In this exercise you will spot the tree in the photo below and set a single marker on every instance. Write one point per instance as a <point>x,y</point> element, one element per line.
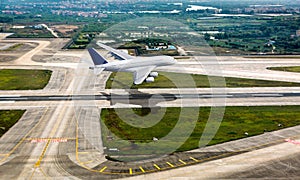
<point>206,36</point>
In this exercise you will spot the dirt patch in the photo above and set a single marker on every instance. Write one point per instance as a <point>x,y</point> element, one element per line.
<point>55,59</point>
<point>4,58</point>
<point>19,48</point>
<point>65,30</point>
<point>41,58</point>
<point>58,43</point>
<point>227,51</point>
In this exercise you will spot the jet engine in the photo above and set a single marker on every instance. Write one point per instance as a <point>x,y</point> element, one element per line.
<point>149,79</point>
<point>153,74</point>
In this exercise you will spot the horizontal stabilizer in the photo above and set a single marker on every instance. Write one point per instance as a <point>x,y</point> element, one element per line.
<point>116,56</point>
<point>96,57</point>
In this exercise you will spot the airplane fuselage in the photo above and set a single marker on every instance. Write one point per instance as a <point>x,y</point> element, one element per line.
<point>131,64</point>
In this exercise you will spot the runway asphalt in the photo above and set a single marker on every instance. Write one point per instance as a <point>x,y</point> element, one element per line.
<point>142,96</point>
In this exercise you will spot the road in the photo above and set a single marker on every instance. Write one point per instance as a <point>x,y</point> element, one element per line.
<point>50,30</point>
<point>59,136</point>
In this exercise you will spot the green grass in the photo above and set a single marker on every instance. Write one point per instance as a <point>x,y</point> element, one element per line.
<point>253,120</point>
<point>8,118</point>
<point>295,69</point>
<point>23,79</point>
<point>184,81</point>
<point>14,47</point>
<point>236,121</point>
<point>121,129</point>
<point>31,33</point>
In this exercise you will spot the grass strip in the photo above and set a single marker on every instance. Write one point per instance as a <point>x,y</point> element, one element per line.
<point>295,69</point>
<point>8,118</point>
<point>23,79</point>
<point>166,79</point>
<point>238,122</point>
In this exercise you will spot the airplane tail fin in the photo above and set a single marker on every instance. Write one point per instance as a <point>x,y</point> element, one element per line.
<point>96,57</point>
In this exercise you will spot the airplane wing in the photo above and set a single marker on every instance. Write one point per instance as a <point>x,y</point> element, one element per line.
<point>140,74</point>
<point>119,54</point>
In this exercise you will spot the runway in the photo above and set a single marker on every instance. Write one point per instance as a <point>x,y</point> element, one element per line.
<point>142,96</point>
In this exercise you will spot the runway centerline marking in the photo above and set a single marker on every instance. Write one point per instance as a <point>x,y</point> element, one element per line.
<point>38,163</point>
<point>54,130</point>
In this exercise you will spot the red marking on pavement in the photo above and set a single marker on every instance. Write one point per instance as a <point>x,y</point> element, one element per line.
<point>41,140</point>
<point>293,141</point>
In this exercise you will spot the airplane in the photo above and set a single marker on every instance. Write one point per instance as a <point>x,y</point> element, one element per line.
<point>141,67</point>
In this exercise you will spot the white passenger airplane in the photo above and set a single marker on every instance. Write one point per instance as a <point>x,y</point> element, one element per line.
<point>141,67</point>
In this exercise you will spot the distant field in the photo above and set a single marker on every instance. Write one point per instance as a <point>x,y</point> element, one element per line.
<point>30,33</point>
<point>8,118</point>
<point>295,69</point>
<point>14,47</point>
<point>10,47</point>
<point>236,121</point>
<point>201,81</point>
<point>23,79</point>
